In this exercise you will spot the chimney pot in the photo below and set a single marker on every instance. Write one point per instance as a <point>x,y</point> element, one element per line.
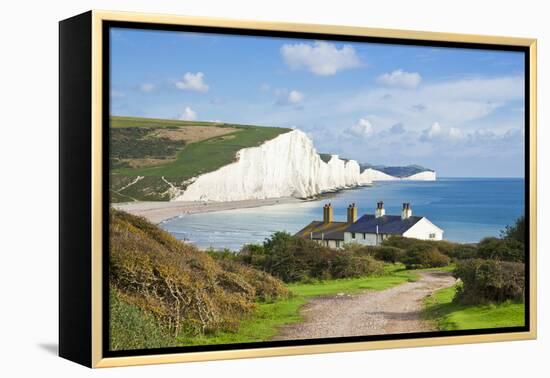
<point>352,213</point>
<point>406,212</point>
<point>380,211</point>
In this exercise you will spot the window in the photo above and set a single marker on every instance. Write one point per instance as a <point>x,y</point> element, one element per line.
<point>432,236</point>
<point>353,235</point>
<point>338,244</point>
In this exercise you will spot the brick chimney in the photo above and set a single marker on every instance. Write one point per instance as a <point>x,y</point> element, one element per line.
<point>380,211</point>
<point>352,213</point>
<point>328,213</point>
<point>406,212</point>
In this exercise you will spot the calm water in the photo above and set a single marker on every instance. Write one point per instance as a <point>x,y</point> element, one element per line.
<point>466,209</point>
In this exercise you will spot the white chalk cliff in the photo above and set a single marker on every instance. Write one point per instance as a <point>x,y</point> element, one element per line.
<point>422,176</point>
<point>285,166</point>
<point>370,175</point>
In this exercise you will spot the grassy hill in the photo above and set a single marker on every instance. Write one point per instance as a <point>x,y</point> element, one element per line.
<point>165,153</point>
<point>164,292</point>
<point>397,171</point>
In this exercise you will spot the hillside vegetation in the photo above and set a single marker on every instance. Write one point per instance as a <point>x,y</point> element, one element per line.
<point>163,290</point>
<point>397,171</point>
<point>150,157</point>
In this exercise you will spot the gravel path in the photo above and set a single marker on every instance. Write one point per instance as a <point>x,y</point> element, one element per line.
<point>395,310</point>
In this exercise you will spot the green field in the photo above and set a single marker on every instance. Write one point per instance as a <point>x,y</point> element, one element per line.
<point>454,316</point>
<point>175,161</point>
<point>199,157</point>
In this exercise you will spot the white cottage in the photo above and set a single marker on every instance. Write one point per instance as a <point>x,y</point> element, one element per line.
<point>370,229</point>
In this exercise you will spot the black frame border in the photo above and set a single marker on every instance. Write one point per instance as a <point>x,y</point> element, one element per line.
<point>106,81</point>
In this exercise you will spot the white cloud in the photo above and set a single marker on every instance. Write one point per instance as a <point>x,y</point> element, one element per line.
<point>193,82</point>
<point>295,97</point>
<point>400,78</point>
<point>320,58</point>
<point>432,132</point>
<point>455,134</point>
<point>146,87</point>
<point>285,97</point>
<point>188,114</point>
<point>362,129</point>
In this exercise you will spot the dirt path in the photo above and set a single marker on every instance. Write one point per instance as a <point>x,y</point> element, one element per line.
<point>395,310</point>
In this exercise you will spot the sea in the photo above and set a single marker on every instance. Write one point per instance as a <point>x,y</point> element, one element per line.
<point>467,209</point>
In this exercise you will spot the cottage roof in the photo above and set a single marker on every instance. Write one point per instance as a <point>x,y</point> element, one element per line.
<point>387,224</point>
<point>318,230</point>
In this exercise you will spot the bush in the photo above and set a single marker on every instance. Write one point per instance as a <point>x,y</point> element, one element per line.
<point>517,231</point>
<point>501,249</point>
<point>184,289</point>
<point>463,251</point>
<point>490,281</point>
<point>132,328</point>
<point>389,254</point>
<point>295,259</point>
<point>425,256</point>
<point>359,249</point>
<point>347,265</point>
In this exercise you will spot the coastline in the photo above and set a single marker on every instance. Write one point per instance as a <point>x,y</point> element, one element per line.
<point>158,212</point>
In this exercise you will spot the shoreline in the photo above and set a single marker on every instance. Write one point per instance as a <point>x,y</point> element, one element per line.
<point>158,212</point>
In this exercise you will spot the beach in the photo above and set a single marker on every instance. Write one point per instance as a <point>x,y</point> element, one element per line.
<point>157,212</point>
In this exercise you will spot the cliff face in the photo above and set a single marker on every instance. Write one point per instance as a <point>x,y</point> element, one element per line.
<point>423,176</point>
<point>371,174</point>
<point>286,166</point>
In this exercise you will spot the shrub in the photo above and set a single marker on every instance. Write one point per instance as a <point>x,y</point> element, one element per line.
<point>490,281</point>
<point>294,259</point>
<point>184,289</point>
<point>133,328</point>
<point>517,231</point>
<point>501,249</point>
<point>359,249</point>
<point>347,265</point>
<point>425,256</point>
<point>463,251</point>
<point>389,254</point>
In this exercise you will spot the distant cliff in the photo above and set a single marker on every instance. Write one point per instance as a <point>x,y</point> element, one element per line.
<point>167,160</point>
<point>286,166</point>
<point>409,172</point>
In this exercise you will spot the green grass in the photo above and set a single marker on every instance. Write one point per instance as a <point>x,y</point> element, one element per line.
<point>199,157</point>
<point>264,324</point>
<point>121,122</point>
<point>132,328</point>
<point>454,316</point>
<point>270,316</point>
<point>261,327</point>
<point>395,274</point>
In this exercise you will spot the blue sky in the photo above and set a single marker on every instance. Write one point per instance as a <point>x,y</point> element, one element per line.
<point>458,111</point>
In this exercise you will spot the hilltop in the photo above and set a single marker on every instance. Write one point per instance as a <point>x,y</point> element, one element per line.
<point>397,171</point>
<point>152,158</point>
<point>161,288</point>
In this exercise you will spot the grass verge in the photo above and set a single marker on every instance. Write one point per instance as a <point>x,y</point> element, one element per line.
<point>449,316</point>
<point>270,316</point>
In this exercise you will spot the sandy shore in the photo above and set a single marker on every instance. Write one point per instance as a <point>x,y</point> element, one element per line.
<point>157,212</point>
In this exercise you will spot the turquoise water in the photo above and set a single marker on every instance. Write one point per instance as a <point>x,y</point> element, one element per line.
<point>467,209</point>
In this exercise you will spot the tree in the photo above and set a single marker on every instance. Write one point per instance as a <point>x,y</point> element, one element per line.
<point>516,231</point>
<point>501,249</point>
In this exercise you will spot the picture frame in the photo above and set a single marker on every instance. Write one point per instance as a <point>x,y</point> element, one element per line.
<point>84,117</point>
